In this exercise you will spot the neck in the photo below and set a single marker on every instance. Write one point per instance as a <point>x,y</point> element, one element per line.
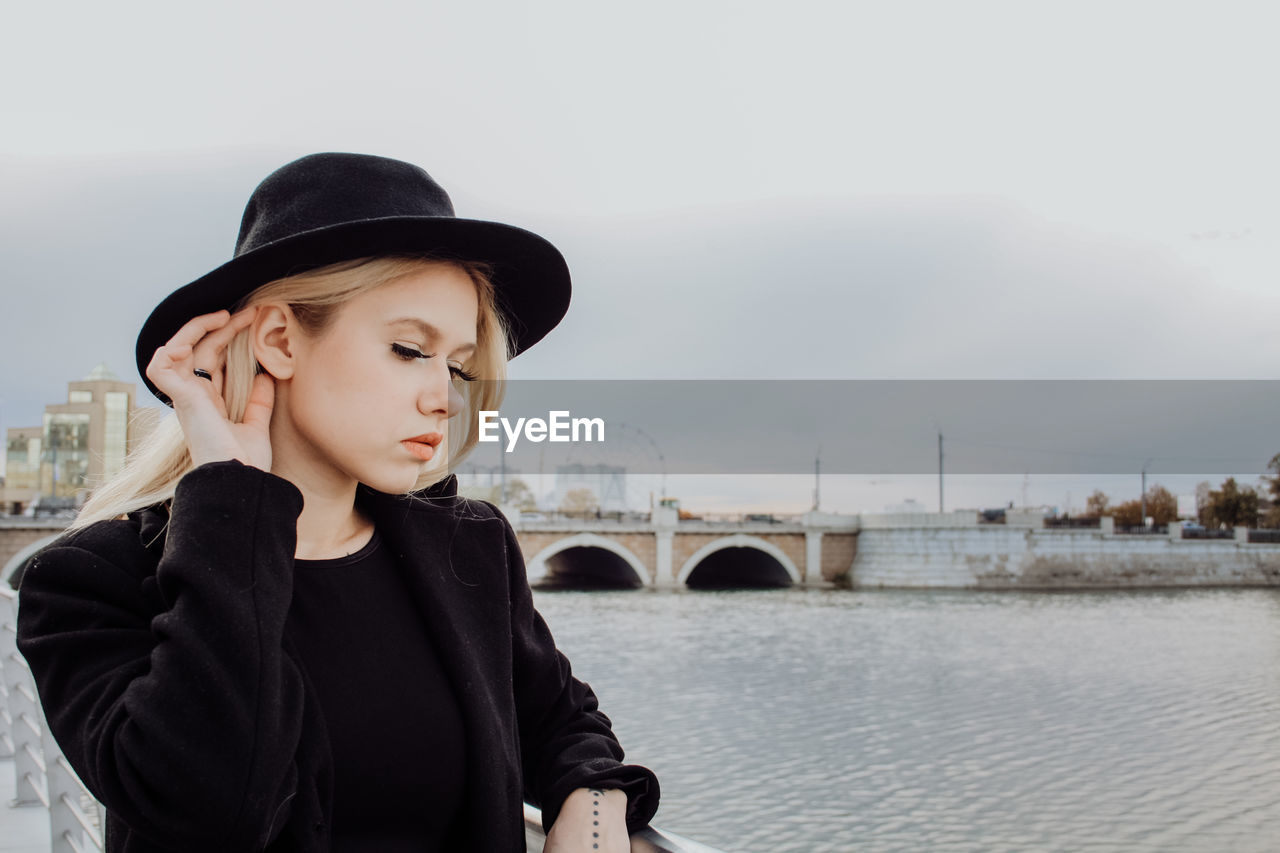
<point>329,526</point>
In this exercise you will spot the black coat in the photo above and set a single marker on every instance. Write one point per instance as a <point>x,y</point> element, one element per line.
<point>157,643</point>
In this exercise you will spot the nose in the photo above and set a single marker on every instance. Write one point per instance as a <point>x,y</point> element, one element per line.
<point>439,396</point>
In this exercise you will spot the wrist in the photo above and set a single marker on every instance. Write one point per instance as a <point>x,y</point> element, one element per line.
<point>608,802</point>
<point>590,819</point>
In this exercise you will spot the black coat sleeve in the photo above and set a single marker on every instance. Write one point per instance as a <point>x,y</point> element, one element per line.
<point>165,682</point>
<point>567,742</point>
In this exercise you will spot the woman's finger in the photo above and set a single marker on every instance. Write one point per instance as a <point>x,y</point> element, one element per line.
<point>165,361</point>
<point>200,344</point>
<point>170,354</point>
<point>262,396</point>
<point>197,327</point>
<point>171,365</point>
<point>209,350</point>
<point>210,354</point>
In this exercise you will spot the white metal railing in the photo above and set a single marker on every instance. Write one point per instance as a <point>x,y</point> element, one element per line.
<point>22,721</point>
<point>75,817</point>
<point>42,774</point>
<point>8,640</point>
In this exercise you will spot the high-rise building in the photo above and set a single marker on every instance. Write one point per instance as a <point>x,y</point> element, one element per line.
<point>81,443</point>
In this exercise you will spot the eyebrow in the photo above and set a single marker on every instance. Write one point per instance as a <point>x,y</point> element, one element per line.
<point>429,331</point>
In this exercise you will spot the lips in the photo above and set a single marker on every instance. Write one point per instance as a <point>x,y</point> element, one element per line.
<point>423,446</point>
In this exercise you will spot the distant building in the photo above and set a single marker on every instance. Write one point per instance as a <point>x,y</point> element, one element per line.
<point>81,442</point>
<point>22,459</point>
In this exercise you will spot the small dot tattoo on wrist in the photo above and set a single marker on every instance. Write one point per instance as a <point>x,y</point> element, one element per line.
<point>595,802</point>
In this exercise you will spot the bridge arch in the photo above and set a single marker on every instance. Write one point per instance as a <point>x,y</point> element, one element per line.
<point>541,568</point>
<point>738,540</point>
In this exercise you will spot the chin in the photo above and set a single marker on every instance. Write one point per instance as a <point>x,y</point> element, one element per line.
<point>393,484</point>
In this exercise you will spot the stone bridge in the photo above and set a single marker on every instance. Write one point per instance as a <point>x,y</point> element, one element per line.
<point>816,550</point>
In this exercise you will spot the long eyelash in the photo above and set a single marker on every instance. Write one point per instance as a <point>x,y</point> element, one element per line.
<point>410,354</point>
<point>406,353</point>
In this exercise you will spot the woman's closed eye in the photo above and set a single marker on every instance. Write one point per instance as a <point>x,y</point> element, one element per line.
<point>409,354</point>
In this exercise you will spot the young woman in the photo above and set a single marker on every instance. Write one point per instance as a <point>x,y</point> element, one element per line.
<point>280,628</point>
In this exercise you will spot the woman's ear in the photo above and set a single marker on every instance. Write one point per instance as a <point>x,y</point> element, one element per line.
<point>272,333</point>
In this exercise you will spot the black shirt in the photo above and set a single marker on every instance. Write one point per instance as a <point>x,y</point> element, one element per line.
<point>394,724</point>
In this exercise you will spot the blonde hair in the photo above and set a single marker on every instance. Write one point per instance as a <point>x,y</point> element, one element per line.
<point>153,470</point>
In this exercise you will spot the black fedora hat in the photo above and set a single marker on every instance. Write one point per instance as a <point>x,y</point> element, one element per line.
<point>326,208</point>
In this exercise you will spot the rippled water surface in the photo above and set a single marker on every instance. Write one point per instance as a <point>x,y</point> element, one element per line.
<point>793,720</point>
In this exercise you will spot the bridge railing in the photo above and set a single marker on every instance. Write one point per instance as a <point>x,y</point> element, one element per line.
<point>618,516</point>
<point>1143,530</point>
<point>44,779</point>
<point>1079,522</point>
<point>544,516</point>
<point>745,517</point>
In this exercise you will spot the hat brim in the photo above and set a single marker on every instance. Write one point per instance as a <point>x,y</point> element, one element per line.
<point>530,276</point>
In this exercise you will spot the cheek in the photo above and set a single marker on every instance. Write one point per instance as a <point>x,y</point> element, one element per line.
<point>358,391</point>
<point>372,394</point>
<point>349,368</point>
<point>336,388</point>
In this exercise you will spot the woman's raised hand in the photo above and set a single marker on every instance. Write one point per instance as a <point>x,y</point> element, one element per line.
<point>202,345</point>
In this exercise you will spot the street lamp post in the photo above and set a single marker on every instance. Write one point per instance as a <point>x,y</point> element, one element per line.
<point>1144,492</point>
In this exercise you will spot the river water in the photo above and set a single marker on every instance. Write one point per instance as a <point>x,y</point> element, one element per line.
<point>833,720</point>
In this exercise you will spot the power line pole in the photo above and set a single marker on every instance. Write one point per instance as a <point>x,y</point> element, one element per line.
<point>1144,493</point>
<point>940,509</point>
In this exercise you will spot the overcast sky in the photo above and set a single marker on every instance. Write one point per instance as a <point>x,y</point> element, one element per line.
<point>742,189</point>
